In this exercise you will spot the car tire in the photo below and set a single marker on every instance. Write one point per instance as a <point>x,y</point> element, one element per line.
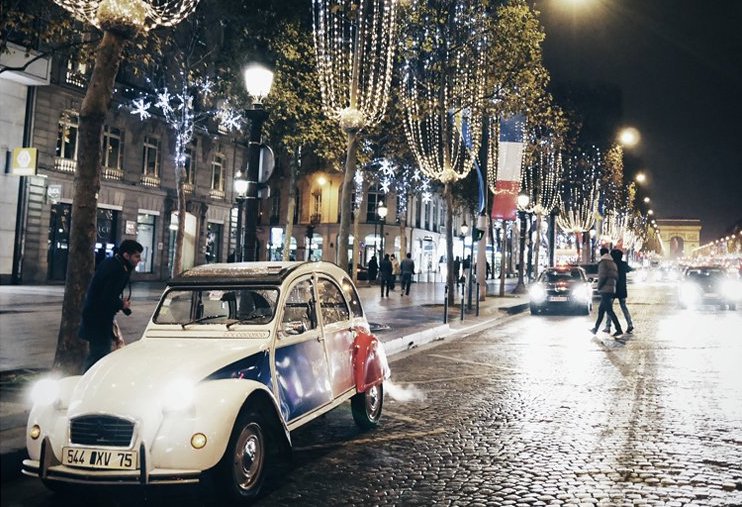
<point>586,310</point>
<point>242,470</point>
<point>366,407</point>
<point>534,310</point>
<point>732,306</point>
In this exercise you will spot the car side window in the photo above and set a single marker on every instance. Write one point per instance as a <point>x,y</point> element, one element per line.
<point>332,303</point>
<point>299,311</point>
<point>352,296</point>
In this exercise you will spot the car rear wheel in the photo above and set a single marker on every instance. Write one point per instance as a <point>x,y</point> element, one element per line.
<point>243,467</point>
<point>366,407</point>
<point>534,310</point>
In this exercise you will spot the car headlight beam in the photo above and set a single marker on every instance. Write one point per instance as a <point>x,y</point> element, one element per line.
<point>45,391</point>
<point>537,293</point>
<point>177,395</point>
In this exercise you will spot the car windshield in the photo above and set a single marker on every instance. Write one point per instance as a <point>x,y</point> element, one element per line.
<point>705,274</point>
<point>561,276</point>
<point>200,305</point>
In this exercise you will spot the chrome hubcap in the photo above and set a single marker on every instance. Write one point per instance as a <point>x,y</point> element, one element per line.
<point>248,459</point>
<point>373,402</point>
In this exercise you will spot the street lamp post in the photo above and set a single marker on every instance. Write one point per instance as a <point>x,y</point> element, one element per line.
<point>381,212</point>
<point>240,188</point>
<point>258,81</point>
<point>523,201</point>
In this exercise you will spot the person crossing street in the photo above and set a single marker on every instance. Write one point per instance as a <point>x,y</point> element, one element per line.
<point>607,279</point>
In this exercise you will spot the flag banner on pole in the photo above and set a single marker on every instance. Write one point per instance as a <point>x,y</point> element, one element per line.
<point>466,136</point>
<point>509,158</point>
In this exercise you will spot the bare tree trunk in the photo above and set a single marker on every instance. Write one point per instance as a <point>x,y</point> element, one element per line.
<point>180,233</point>
<point>402,237</point>
<point>71,350</point>
<point>291,208</point>
<point>448,195</point>
<point>356,243</point>
<point>482,263</point>
<point>346,207</point>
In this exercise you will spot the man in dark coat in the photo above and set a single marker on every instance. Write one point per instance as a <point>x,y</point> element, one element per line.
<point>607,279</point>
<point>373,269</point>
<point>621,291</point>
<point>105,298</point>
<point>385,275</point>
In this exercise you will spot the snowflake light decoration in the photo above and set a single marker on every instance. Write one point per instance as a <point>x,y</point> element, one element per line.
<point>141,107</point>
<point>385,183</point>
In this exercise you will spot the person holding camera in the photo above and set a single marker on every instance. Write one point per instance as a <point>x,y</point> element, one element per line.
<point>104,299</point>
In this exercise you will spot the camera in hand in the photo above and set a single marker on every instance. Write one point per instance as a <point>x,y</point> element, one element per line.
<point>126,311</point>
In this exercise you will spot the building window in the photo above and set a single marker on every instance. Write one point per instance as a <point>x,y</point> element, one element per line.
<point>316,208</point>
<point>276,209</point>
<point>112,153</point>
<point>217,173</point>
<point>418,212</point>
<point>151,161</point>
<point>75,74</point>
<point>66,153</point>
<point>374,196</point>
<point>427,215</point>
<point>190,164</point>
<point>436,215</point>
<point>297,207</point>
<point>146,236</point>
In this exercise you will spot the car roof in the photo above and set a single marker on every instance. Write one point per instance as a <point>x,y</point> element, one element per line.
<point>268,273</point>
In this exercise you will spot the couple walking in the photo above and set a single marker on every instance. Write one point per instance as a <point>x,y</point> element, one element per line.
<point>386,273</point>
<point>612,284</point>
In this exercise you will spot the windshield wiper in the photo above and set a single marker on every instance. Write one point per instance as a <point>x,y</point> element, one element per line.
<point>201,319</point>
<point>247,318</point>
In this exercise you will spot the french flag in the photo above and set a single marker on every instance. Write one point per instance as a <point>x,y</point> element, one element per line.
<point>509,157</point>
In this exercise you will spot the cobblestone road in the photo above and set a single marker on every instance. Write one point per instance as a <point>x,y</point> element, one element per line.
<point>539,412</point>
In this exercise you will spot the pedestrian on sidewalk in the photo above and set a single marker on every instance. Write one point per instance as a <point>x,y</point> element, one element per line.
<point>373,269</point>
<point>385,275</point>
<point>396,270</point>
<point>607,279</point>
<point>104,299</point>
<point>407,267</point>
<point>456,269</point>
<point>621,291</point>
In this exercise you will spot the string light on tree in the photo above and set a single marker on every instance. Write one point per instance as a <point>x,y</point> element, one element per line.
<point>125,15</point>
<point>355,43</point>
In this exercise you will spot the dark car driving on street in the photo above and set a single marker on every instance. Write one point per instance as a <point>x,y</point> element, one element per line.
<point>564,287</point>
<point>709,285</point>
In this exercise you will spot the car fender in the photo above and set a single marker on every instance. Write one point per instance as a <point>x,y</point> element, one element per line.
<point>370,365</point>
<point>51,419</point>
<point>215,408</point>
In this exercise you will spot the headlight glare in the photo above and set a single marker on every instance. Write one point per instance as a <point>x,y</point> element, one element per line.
<point>45,391</point>
<point>177,395</point>
<point>537,293</point>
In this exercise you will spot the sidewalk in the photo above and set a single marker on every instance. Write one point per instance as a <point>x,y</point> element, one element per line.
<point>30,317</point>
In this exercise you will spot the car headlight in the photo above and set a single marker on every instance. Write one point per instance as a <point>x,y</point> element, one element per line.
<point>45,391</point>
<point>177,395</point>
<point>731,289</point>
<point>537,293</point>
<point>583,293</point>
<point>689,293</point>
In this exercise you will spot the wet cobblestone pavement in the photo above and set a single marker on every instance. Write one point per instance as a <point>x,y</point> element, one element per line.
<point>539,412</point>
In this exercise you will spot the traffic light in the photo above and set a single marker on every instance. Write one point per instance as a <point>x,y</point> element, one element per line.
<point>477,234</point>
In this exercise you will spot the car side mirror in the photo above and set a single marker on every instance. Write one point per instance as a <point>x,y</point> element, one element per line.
<point>293,328</point>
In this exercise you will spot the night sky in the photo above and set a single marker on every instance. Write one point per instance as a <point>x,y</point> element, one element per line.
<point>678,64</point>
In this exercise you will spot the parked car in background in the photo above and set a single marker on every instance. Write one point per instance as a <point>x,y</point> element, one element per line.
<point>709,285</point>
<point>564,287</point>
<point>235,357</point>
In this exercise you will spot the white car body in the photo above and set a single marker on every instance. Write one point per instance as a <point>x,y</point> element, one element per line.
<point>184,385</point>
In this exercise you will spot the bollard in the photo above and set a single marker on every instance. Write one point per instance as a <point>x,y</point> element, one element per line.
<point>463,292</point>
<point>477,299</point>
<point>445,304</point>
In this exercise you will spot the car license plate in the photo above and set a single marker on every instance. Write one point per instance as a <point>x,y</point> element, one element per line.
<point>558,298</point>
<point>99,458</point>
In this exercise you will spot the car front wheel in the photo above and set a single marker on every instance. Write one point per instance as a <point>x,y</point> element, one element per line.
<point>366,407</point>
<point>243,467</point>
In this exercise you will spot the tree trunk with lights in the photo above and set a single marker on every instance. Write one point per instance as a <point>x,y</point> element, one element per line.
<point>356,244</point>
<point>180,234</point>
<point>71,350</point>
